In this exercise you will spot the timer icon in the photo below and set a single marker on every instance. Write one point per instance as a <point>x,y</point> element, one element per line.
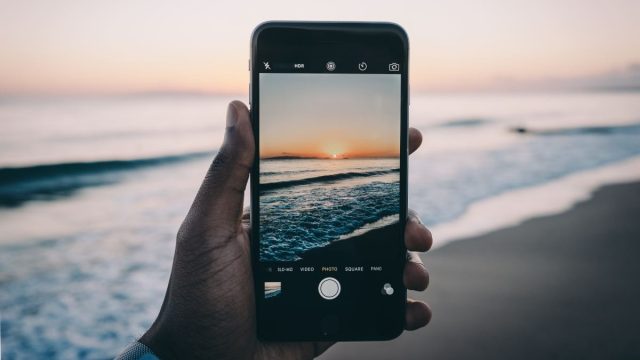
<point>362,66</point>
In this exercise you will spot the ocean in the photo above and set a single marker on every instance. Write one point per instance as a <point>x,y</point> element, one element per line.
<point>92,191</point>
<point>324,201</point>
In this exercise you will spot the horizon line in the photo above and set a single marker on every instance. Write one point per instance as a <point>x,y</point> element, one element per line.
<point>241,94</point>
<point>290,157</point>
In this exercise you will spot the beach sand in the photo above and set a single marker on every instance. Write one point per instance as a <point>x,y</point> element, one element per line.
<point>368,246</point>
<point>561,286</point>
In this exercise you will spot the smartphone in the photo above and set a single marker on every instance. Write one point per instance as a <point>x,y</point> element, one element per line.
<point>329,103</point>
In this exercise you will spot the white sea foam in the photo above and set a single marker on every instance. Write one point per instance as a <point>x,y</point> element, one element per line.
<point>106,251</point>
<point>387,220</point>
<point>514,207</point>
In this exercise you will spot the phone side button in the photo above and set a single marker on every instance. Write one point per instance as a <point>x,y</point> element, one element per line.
<point>330,325</point>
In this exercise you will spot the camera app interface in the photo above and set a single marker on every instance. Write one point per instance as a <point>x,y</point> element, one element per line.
<point>329,194</point>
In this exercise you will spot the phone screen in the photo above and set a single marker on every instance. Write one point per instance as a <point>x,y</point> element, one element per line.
<point>329,188</point>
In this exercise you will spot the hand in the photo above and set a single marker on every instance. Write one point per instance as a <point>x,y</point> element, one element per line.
<point>209,309</point>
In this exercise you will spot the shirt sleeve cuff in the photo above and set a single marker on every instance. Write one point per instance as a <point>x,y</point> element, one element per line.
<point>137,351</point>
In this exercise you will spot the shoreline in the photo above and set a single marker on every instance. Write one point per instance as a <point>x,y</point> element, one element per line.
<point>553,286</point>
<point>367,247</point>
<point>480,218</point>
<point>549,198</point>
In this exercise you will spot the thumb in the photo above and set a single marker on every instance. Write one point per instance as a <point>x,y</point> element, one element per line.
<point>218,204</point>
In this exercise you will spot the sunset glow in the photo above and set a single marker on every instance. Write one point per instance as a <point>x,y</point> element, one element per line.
<point>361,148</point>
<point>329,116</point>
<point>69,47</point>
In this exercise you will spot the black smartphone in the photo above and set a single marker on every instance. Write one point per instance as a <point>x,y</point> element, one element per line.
<point>329,103</point>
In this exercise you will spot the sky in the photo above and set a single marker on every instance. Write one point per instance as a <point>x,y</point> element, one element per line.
<point>125,46</point>
<point>323,115</point>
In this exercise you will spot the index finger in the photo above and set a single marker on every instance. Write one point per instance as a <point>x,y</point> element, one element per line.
<point>415,139</point>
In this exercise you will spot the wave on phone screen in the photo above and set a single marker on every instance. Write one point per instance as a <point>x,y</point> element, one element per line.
<point>330,166</point>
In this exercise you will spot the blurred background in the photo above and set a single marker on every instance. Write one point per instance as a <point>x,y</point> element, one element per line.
<point>111,111</point>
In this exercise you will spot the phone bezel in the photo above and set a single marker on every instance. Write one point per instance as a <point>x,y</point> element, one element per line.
<point>317,31</point>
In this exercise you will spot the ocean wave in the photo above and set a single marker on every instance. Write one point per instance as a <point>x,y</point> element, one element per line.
<point>318,215</point>
<point>323,178</point>
<point>380,223</point>
<point>540,199</point>
<point>287,172</point>
<point>51,181</point>
<point>464,122</point>
<point>581,130</point>
<point>133,134</point>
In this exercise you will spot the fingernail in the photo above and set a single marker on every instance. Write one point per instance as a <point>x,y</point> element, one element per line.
<point>417,220</point>
<point>232,115</point>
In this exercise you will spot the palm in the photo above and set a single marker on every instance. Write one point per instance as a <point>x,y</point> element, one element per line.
<point>265,350</point>
<point>209,307</point>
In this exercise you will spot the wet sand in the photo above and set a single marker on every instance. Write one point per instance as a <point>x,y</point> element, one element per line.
<point>368,246</point>
<point>561,286</point>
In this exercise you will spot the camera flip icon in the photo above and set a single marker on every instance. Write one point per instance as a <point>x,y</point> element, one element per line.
<point>394,67</point>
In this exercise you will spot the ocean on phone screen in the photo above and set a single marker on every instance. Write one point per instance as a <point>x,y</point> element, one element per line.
<point>324,200</point>
<point>94,190</point>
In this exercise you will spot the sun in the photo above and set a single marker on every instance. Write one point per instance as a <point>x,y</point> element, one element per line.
<point>333,150</point>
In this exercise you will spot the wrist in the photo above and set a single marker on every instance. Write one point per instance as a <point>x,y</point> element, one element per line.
<point>137,351</point>
<point>159,342</point>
